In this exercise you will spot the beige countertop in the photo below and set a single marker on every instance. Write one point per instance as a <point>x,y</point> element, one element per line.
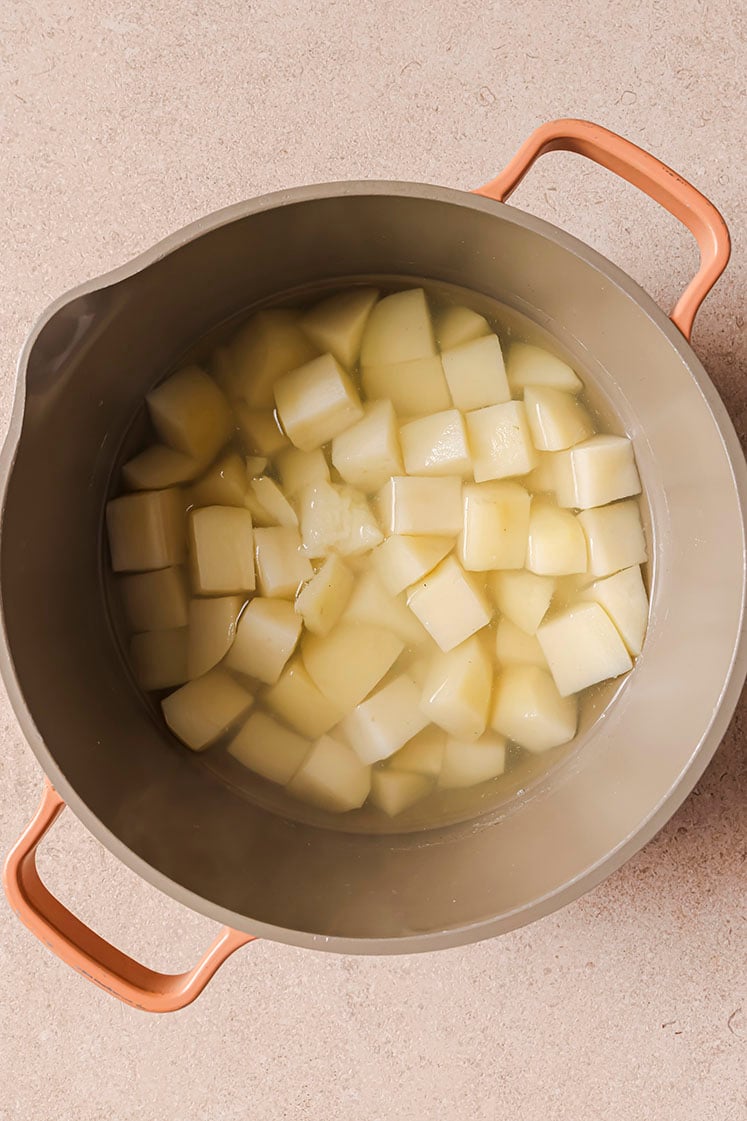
<point>122,121</point>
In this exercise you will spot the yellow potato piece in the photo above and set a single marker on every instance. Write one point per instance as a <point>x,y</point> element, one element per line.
<point>266,636</point>
<point>382,724</point>
<point>468,764</point>
<point>436,445</point>
<point>495,530</point>
<point>556,419</point>
<point>272,500</point>
<point>423,754</point>
<point>401,560</point>
<point>223,484</point>
<point>158,467</point>
<point>281,566</point>
<point>212,628</point>
<point>368,452</point>
<point>146,530</point>
<point>260,430</point>
<point>475,374</point>
<point>513,646</point>
<point>614,535</point>
<point>349,662</point>
<point>270,344</point>
<point>449,604</point>
<point>456,325</point>
<point>523,597</point>
<point>399,329</point>
<point>414,506</point>
<point>623,597</point>
<point>413,388</point>
<point>596,472</point>
<point>527,364</point>
<point>316,402</point>
<point>299,470</point>
<point>336,519</point>
<point>335,325</point>
<point>203,709</point>
<point>557,546</point>
<point>190,413</point>
<point>155,601</point>
<point>370,602</point>
<point>159,658</point>
<point>528,709</point>
<point>331,777</point>
<point>266,747</point>
<point>582,647</point>
<point>501,442</point>
<point>395,791</point>
<point>321,602</point>
<point>221,550</point>
<point>297,700</point>
<point>456,690</point>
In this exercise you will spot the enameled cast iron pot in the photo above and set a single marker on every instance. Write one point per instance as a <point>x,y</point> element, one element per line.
<point>82,375</point>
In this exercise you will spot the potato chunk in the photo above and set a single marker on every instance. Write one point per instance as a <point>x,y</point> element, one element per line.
<point>269,749</point>
<point>270,344</point>
<point>296,698</point>
<point>260,431</point>
<point>541,479</point>
<point>435,445</point>
<point>413,388</point>
<point>266,636</point>
<point>316,402</point>
<point>401,560</point>
<point>557,546</point>
<point>281,565</point>
<point>223,484</point>
<point>203,709</point>
<point>468,764</point>
<point>155,601</point>
<point>414,506</point>
<point>495,529</point>
<point>423,754</point>
<point>299,470</point>
<point>190,413</point>
<point>513,646</point>
<point>381,725</point>
<point>350,661</point>
<point>221,550</point>
<point>399,329</point>
<point>533,365</point>
<point>159,658</point>
<point>321,602</point>
<point>448,604</point>
<point>456,690</point>
<point>368,452</point>
<point>395,791</point>
<point>335,325</point>
<point>528,709</point>
<point>331,777</point>
<point>598,471</point>
<point>146,530</point>
<point>275,505</point>
<point>370,602</point>
<point>336,519</point>
<point>623,597</point>
<point>456,325</point>
<point>556,419</point>
<point>212,627</point>
<point>582,647</point>
<point>158,467</point>
<point>614,535</point>
<point>475,374</point>
<point>501,441</point>
<point>523,597</point>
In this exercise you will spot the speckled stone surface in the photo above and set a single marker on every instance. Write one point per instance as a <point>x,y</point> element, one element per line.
<point>124,120</point>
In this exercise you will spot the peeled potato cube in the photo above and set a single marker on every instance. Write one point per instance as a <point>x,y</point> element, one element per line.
<point>368,452</point>
<point>270,497</point>
<point>533,365</point>
<point>556,419</point>
<point>598,471</point>
<point>423,754</point>
<point>281,566</point>
<point>254,465</point>
<point>269,749</point>
<point>299,470</point>
<point>513,646</point>
<point>190,413</point>
<point>212,627</point>
<point>614,535</point>
<point>222,550</point>
<point>336,325</point>
<point>384,723</point>
<point>456,325</point>
<point>412,505</point>
<point>296,698</point>
<point>399,329</point>
<point>414,388</point>
<point>623,597</point>
<point>448,604</point>
<point>331,777</point>
<point>260,431</point>
<point>203,709</point>
<point>147,530</point>
<point>336,519</point>
<point>350,661</point>
<point>475,374</point>
<point>158,467</point>
<point>495,528</point>
<point>582,647</point>
<point>456,690</point>
<point>224,484</point>
<point>468,764</point>
<point>435,445</point>
<point>316,402</point>
<point>266,636</point>
<point>557,546</point>
<point>155,601</point>
<point>395,791</point>
<point>159,658</point>
<point>321,602</point>
<point>270,344</point>
<point>501,442</point>
<point>401,560</point>
<point>541,479</point>
<point>370,602</point>
<point>523,597</point>
<point>528,709</point>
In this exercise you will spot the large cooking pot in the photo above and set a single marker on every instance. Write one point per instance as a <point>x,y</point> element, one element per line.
<point>81,377</point>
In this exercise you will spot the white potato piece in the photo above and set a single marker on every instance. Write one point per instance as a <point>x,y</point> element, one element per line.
<point>146,530</point>
<point>523,597</point>
<point>399,329</point>
<point>281,565</point>
<point>598,471</point>
<point>456,325</point>
<point>528,709</point>
<point>331,777</point>
<point>254,466</point>
<point>158,467</point>
<point>297,700</point>
<point>321,602</point>
<point>541,479</point>
<point>269,749</point>
<point>370,602</point>
<point>435,445</point>
<point>159,658</point>
<point>556,419</point>
<point>316,402</point>
<point>614,535</point>
<point>221,550</point>
<point>190,413</point>
<point>513,646</point>
<point>260,430</point>
<point>475,374</point>
<point>270,344</point>
<point>401,559</point>
<point>501,442</point>
<point>266,636</point>
<point>350,661</point>
<point>468,764</point>
<point>457,687</point>
<point>212,627</point>
<point>582,647</point>
<point>495,529</point>
<point>336,519</point>
<point>395,791</point>
<point>423,754</point>
<point>557,546</point>
<point>299,470</point>
<point>384,723</point>
<point>414,388</point>
<point>155,601</point>
<point>335,325</point>
<point>449,604</point>
<point>368,452</point>
<point>623,597</point>
<point>223,484</point>
<point>527,364</point>
<point>272,500</point>
<point>203,709</point>
<point>411,505</point>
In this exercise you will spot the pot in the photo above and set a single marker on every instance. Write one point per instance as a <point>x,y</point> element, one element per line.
<point>81,377</point>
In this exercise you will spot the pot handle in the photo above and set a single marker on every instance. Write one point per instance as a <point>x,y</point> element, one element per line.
<point>643,170</point>
<point>78,946</point>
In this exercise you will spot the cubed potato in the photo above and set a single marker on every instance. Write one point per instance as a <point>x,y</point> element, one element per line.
<point>468,764</point>
<point>331,777</point>
<point>368,452</point>
<point>266,636</point>
<point>147,530</point>
<point>297,700</point>
<point>158,467</point>
<point>316,402</point>
<point>350,661</point>
<point>533,365</point>
<point>411,505</point>
<point>541,479</point>
<point>475,374</point>
<point>399,329</point>
<point>513,646</point>
<point>449,604</point>
<point>557,546</point>
<point>401,560</point>
<point>456,325</point>
<point>423,754</point>
<point>260,430</point>
<point>582,647</point>
<point>528,709</point>
<point>523,597</point>
<point>614,535</point>
<point>495,528</point>
<point>370,602</point>
<point>190,413</point>
<point>623,597</point>
<point>272,500</point>
<point>159,658</point>
<point>457,687</point>
<point>381,725</point>
<point>270,344</point>
<point>203,709</point>
<point>281,565</point>
<point>395,791</point>
<point>321,602</point>
<point>269,749</point>
<point>223,484</point>
<point>155,601</point>
<point>501,442</point>
<point>336,519</point>
<point>414,388</point>
<point>556,419</point>
<point>254,465</point>
<point>335,325</point>
<point>212,628</point>
<point>435,445</point>
<point>598,471</point>
<point>221,550</point>
<point>299,470</point>
<point>222,371</point>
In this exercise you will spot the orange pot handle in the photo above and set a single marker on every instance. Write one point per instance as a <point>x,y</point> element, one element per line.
<point>92,956</point>
<point>643,170</point>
